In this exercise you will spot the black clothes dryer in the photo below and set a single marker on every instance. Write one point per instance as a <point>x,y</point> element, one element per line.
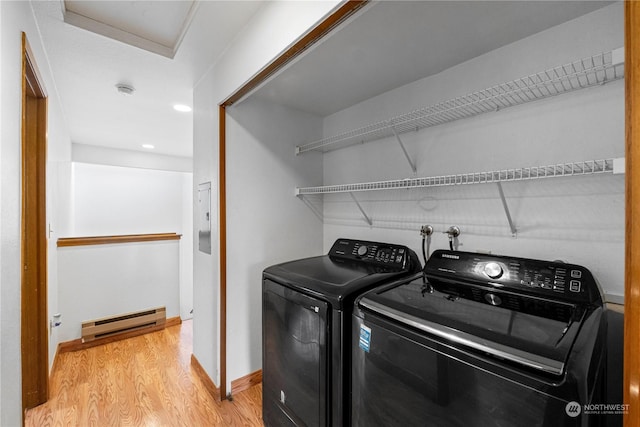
<point>481,340</point>
<point>306,328</point>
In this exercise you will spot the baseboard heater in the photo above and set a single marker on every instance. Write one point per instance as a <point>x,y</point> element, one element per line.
<point>122,323</point>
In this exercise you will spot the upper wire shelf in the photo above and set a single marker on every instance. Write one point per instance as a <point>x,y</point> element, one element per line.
<point>519,174</point>
<point>587,72</point>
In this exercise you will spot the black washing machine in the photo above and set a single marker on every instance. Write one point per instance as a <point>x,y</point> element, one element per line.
<point>481,340</point>
<point>306,328</point>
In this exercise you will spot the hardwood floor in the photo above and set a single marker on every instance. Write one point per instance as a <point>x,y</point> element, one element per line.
<point>141,381</point>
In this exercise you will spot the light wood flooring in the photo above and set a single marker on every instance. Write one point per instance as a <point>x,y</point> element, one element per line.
<point>141,381</point>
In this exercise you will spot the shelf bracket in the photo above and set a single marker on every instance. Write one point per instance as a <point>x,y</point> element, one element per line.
<point>310,205</point>
<point>506,210</point>
<point>364,214</point>
<point>404,150</point>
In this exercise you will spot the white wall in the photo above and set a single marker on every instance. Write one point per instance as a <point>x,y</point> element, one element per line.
<point>150,192</point>
<point>266,223</point>
<point>205,266</point>
<point>579,219</point>
<point>186,249</point>
<point>59,216</point>
<point>2,214</point>
<point>284,22</point>
<point>105,280</point>
<point>110,200</point>
<point>114,200</point>
<point>16,17</point>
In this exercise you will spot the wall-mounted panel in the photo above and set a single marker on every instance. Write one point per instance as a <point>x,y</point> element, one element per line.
<point>204,217</point>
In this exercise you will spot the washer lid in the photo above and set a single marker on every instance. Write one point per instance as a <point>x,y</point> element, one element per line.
<point>541,342</point>
<point>333,279</point>
<point>326,270</point>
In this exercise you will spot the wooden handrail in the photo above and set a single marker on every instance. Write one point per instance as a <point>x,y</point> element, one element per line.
<point>108,240</point>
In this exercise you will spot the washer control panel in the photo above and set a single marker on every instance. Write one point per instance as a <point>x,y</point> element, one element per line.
<point>383,254</point>
<point>493,270</point>
<point>554,280</point>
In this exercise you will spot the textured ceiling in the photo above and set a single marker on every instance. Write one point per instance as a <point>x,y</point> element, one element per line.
<point>86,66</point>
<point>157,26</point>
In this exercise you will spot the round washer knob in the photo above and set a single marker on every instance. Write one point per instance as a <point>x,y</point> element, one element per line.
<point>493,270</point>
<point>362,250</point>
<point>493,299</point>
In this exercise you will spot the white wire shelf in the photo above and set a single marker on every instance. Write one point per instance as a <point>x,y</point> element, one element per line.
<point>587,72</point>
<point>588,167</point>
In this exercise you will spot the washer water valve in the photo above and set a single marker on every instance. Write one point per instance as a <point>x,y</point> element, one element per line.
<point>426,230</point>
<point>453,232</point>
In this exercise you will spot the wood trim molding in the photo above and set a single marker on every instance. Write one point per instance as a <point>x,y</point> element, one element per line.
<point>208,383</point>
<point>246,382</point>
<point>314,35</point>
<point>173,321</point>
<point>109,240</point>
<point>631,380</point>
<point>75,345</point>
<point>222,235</point>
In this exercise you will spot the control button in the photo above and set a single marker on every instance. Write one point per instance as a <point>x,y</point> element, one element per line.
<point>398,258</point>
<point>493,299</point>
<point>493,270</point>
<point>546,286</point>
<point>362,250</point>
<point>574,286</point>
<point>401,251</point>
<point>576,274</point>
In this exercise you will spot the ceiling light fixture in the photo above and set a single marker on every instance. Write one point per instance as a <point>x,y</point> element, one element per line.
<point>125,89</point>
<point>182,108</point>
<point>148,146</point>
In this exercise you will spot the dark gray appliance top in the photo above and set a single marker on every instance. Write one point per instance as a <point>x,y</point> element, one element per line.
<point>350,268</point>
<point>505,307</point>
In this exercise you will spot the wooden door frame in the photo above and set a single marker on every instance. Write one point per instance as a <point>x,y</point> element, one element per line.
<point>33,246</point>
<point>222,237</point>
<point>631,381</point>
<point>314,35</point>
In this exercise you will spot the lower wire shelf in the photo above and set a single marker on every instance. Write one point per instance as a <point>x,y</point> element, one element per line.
<point>581,168</point>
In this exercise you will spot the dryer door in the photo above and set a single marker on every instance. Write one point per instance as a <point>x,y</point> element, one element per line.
<point>294,357</point>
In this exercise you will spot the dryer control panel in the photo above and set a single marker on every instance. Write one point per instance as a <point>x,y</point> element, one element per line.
<point>382,254</point>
